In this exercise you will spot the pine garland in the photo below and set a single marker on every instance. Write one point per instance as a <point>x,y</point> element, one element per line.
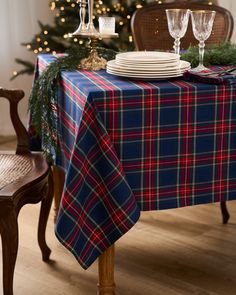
<point>43,97</point>
<point>221,54</point>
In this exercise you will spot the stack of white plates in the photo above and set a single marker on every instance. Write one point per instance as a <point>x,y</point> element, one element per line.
<point>147,65</point>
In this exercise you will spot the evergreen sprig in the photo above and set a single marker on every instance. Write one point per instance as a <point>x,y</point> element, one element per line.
<point>220,54</point>
<point>43,97</point>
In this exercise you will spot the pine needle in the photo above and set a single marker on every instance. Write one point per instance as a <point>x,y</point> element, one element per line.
<point>221,54</point>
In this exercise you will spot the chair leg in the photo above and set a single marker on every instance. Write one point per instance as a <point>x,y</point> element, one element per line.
<point>9,235</point>
<point>224,211</point>
<point>106,285</point>
<point>43,219</point>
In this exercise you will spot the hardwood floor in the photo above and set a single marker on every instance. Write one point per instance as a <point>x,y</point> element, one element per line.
<point>175,252</point>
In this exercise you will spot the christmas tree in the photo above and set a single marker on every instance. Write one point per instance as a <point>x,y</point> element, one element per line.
<point>56,38</point>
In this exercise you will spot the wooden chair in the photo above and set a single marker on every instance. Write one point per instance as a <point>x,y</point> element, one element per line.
<point>25,177</point>
<point>150,31</point>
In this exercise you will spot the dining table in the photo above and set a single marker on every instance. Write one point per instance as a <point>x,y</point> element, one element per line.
<point>132,145</point>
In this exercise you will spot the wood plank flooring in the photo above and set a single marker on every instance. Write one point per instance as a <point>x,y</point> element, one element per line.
<point>175,252</point>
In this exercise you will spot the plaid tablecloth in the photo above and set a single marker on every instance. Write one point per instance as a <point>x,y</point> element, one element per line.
<point>131,145</point>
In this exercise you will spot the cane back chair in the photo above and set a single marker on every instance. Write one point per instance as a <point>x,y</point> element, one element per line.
<point>25,177</point>
<point>150,30</point>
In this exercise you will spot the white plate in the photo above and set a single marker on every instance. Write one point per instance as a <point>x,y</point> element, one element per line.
<point>149,65</point>
<point>142,63</point>
<point>142,76</point>
<point>147,56</point>
<point>182,67</point>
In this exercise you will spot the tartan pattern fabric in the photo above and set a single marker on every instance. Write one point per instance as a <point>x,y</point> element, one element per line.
<point>132,145</point>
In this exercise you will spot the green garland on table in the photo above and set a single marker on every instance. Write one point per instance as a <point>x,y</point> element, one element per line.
<point>221,54</point>
<point>43,97</point>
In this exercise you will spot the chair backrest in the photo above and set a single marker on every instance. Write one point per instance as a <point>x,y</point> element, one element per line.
<point>14,96</point>
<point>150,30</point>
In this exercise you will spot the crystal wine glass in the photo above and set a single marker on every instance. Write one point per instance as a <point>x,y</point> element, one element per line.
<point>177,20</point>
<point>202,23</point>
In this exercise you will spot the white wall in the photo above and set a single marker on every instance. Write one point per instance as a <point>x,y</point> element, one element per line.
<point>231,6</point>
<point>18,23</point>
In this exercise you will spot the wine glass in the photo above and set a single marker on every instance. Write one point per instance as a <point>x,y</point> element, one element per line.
<point>202,23</point>
<point>177,20</point>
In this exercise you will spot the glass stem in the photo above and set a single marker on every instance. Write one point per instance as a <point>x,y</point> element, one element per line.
<point>201,53</point>
<point>177,45</point>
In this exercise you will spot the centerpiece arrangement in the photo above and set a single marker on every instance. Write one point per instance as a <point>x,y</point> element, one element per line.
<point>106,30</point>
<point>159,65</point>
<point>133,65</point>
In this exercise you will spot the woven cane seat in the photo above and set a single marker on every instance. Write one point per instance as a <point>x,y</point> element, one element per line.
<point>13,167</point>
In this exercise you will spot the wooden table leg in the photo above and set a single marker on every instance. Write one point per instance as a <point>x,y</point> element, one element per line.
<point>225,212</point>
<point>106,285</point>
<point>58,179</point>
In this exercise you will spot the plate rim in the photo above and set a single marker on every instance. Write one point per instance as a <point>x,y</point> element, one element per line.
<point>121,56</point>
<point>113,66</point>
<point>152,65</point>
<point>150,73</point>
<point>144,76</point>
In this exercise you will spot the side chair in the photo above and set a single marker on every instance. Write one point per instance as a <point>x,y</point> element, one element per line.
<point>150,30</point>
<point>25,177</point>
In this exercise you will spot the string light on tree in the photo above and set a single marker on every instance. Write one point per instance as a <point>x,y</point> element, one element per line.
<point>53,5</point>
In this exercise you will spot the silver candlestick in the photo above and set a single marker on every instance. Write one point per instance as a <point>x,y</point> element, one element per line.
<point>82,29</point>
<point>93,61</point>
<point>90,26</point>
